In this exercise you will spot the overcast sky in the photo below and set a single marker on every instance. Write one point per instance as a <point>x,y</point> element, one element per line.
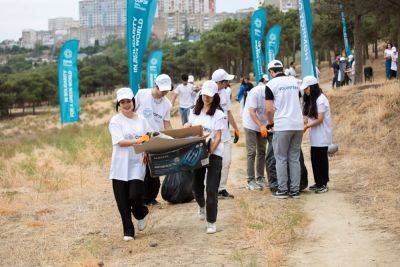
<point>16,15</point>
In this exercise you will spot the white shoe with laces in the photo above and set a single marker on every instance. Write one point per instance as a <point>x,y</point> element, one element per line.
<point>211,228</point>
<point>202,214</point>
<point>128,238</point>
<point>143,223</point>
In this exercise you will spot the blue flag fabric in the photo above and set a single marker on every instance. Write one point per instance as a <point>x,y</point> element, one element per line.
<point>257,29</point>
<point>138,13</point>
<point>307,47</point>
<point>152,13</point>
<point>272,41</point>
<point>154,63</point>
<point>68,82</point>
<point>345,36</point>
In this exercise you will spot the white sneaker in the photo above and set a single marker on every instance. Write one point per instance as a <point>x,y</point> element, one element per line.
<point>211,228</point>
<point>253,185</point>
<point>142,223</point>
<point>202,214</point>
<point>128,238</point>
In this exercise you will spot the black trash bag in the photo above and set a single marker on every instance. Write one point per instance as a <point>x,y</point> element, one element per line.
<point>177,188</point>
<point>303,173</point>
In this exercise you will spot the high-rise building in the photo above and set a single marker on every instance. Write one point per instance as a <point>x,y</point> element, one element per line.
<point>103,13</point>
<point>60,24</point>
<point>186,6</point>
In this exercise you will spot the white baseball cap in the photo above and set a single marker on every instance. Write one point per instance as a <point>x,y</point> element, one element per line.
<point>265,76</point>
<point>124,93</point>
<point>163,81</point>
<point>307,81</point>
<point>221,75</point>
<point>191,78</point>
<point>275,64</point>
<point>209,88</point>
<point>351,57</point>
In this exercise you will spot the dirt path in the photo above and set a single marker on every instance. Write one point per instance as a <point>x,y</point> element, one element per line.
<point>339,235</point>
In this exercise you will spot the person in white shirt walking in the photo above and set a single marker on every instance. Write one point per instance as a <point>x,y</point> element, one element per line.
<point>207,114</point>
<point>185,92</point>
<point>127,168</point>
<point>317,110</point>
<point>222,78</point>
<point>284,113</point>
<point>155,108</point>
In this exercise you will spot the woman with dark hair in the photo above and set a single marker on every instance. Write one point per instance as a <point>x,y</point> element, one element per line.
<point>317,110</point>
<point>388,60</point>
<point>127,168</point>
<point>208,114</point>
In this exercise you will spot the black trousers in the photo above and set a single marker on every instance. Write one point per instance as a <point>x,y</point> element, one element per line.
<point>213,179</point>
<point>129,198</point>
<point>151,187</point>
<point>320,165</point>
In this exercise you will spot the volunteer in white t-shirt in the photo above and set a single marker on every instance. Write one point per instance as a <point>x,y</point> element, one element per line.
<point>388,60</point>
<point>127,169</point>
<point>316,108</point>
<point>185,92</point>
<point>196,89</point>
<point>155,108</point>
<point>222,78</point>
<point>284,112</point>
<point>206,113</point>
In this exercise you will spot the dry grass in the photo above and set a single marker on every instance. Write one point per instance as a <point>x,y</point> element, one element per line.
<point>367,129</point>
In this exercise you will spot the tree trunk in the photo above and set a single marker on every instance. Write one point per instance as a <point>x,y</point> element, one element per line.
<point>376,49</point>
<point>358,49</point>
<point>33,108</point>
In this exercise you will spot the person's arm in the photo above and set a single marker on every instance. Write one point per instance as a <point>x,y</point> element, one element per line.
<point>240,94</point>
<point>270,111</point>
<point>174,96</point>
<point>316,122</point>
<point>232,121</point>
<point>254,117</point>
<point>167,125</point>
<point>216,141</point>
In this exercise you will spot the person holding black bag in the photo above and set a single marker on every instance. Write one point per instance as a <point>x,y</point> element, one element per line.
<point>213,120</point>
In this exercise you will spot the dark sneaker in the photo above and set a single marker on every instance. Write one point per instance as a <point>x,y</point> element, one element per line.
<point>280,194</point>
<point>152,202</point>
<point>313,187</point>
<point>322,189</point>
<point>294,194</point>
<point>224,194</point>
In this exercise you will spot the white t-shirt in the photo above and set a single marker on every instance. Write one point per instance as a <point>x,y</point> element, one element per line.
<point>126,165</point>
<point>284,91</point>
<point>185,93</point>
<point>155,111</point>
<point>395,56</point>
<point>211,124</point>
<point>255,99</point>
<point>321,135</point>
<point>225,103</point>
<point>388,53</point>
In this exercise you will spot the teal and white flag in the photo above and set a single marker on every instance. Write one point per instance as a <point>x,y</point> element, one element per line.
<point>257,29</point>
<point>345,36</point>
<point>154,63</point>
<point>68,82</point>
<point>307,47</point>
<point>139,13</point>
<point>272,41</point>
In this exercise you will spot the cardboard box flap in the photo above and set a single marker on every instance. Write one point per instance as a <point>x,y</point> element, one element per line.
<point>185,132</point>
<point>158,145</point>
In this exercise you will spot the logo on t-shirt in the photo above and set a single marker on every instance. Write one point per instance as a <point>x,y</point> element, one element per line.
<point>147,113</point>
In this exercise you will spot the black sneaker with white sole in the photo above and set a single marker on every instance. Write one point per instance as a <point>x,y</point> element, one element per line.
<point>321,189</point>
<point>313,187</point>
<point>294,194</point>
<point>280,194</point>
<point>225,194</point>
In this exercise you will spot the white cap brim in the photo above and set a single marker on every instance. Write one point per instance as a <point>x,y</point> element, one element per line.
<point>165,88</point>
<point>230,77</point>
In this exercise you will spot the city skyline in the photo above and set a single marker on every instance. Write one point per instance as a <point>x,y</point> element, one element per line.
<point>17,15</point>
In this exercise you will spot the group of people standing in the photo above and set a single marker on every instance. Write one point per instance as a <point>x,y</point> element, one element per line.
<point>391,56</point>
<point>343,71</point>
<point>272,113</point>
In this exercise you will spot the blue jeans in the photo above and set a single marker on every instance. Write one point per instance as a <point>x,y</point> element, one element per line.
<point>184,115</point>
<point>388,64</point>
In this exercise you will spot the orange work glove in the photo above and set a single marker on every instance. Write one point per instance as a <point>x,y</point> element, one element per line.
<point>264,131</point>
<point>142,139</point>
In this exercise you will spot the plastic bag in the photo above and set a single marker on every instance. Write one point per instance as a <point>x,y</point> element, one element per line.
<point>177,188</point>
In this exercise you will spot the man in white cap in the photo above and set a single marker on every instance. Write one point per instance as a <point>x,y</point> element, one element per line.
<point>285,115</point>
<point>222,78</point>
<point>152,105</point>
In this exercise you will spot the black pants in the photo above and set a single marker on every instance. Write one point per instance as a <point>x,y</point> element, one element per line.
<point>129,198</point>
<point>213,179</point>
<point>320,165</point>
<point>151,187</point>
